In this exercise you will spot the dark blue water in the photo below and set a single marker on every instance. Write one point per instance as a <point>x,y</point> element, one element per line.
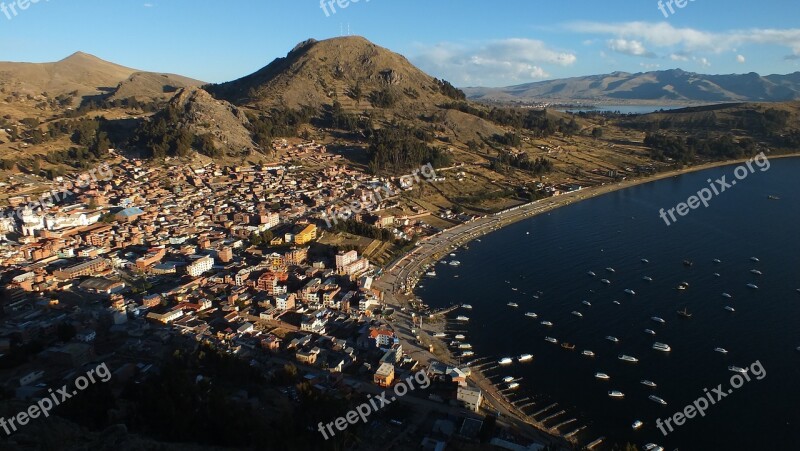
<point>618,230</point>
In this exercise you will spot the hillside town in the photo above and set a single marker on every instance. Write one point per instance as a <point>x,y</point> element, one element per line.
<point>129,265</point>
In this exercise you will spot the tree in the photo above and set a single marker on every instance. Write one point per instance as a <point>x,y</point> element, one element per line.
<point>597,133</point>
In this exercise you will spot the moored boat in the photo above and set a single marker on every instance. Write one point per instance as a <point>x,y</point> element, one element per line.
<point>588,353</point>
<point>586,303</point>
<point>550,339</point>
<point>657,399</point>
<point>616,394</point>
<point>627,358</point>
<point>578,314</point>
<point>531,315</point>
<point>568,346</point>
<point>648,383</point>
<point>756,272</point>
<point>629,291</point>
<point>755,259</point>
<point>753,286</point>
<point>737,369</point>
<point>684,313</point>
<point>647,278</point>
<point>644,260</point>
<point>591,273</point>
<point>650,331</point>
<point>610,269</point>
<point>505,361</point>
<point>513,385</point>
<point>658,319</point>
<point>612,339</point>
<point>605,281</point>
<point>637,425</point>
<point>513,304</point>
<point>525,358</point>
<point>462,318</point>
<point>726,295</point>
<point>546,323</point>
<point>729,308</point>
<point>721,350</point>
<point>467,306</point>
<point>663,347</point>
<point>602,376</point>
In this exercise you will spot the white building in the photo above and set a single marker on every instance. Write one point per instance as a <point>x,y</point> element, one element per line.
<point>200,266</point>
<point>471,397</point>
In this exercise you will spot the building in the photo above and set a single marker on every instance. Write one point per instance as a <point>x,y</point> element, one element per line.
<point>200,266</point>
<point>128,214</point>
<point>307,235</point>
<point>471,397</point>
<point>385,375</point>
<point>285,302</point>
<point>87,268</point>
<point>345,258</point>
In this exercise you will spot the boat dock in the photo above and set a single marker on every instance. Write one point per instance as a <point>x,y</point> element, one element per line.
<point>595,443</point>
<point>555,404</point>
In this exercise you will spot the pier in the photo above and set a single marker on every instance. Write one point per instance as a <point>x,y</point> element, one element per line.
<point>595,443</point>
<point>555,404</point>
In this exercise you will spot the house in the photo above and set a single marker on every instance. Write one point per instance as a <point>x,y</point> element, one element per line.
<point>471,397</point>
<point>384,376</point>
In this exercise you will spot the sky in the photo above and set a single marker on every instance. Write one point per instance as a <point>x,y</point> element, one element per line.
<point>469,43</point>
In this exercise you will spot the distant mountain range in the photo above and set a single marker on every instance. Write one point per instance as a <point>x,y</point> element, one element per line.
<point>668,86</point>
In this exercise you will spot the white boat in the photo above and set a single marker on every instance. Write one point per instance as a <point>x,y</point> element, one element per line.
<point>736,369</point>
<point>452,255</point>
<point>628,358</point>
<point>647,383</point>
<point>716,274</point>
<point>617,303</point>
<point>455,263</point>
<point>650,331</point>
<point>637,425</point>
<point>616,394</point>
<point>603,376</point>
<point>730,309</point>
<point>525,358</point>
<point>653,447</point>
<point>752,285</point>
<point>578,314</point>
<point>586,303</point>
<point>591,273</point>
<point>657,319</point>
<point>756,272</point>
<point>439,335</point>
<point>513,385</point>
<point>512,304</point>
<point>465,346</point>
<point>629,291</point>
<point>506,361</point>
<point>460,337</point>
<point>657,399</point>
<point>612,338</point>
<point>755,259</point>
<point>663,347</point>
<point>726,295</point>
<point>610,269</point>
<point>508,379</point>
<point>644,260</point>
<point>605,281</point>
<point>515,289</point>
<point>462,318</point>
<point>550,339</point>
<point>431,273</point>
<point>467,306</point>
<point>647,278</point>
<point>588,353</point>
<point>467,354</point>
<point>716,260</point>
<point>531,315</point>
<point>721,350</point>
<point>546,323</point>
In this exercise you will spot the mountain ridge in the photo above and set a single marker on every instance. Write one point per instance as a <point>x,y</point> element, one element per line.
<point>672,85</point>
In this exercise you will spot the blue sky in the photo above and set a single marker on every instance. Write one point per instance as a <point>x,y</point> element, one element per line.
<point>470,43</point>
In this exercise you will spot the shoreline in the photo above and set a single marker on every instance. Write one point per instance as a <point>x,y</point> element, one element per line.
<point>400,278</point>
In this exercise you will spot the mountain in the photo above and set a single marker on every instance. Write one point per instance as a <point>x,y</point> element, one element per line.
<point>351,70</point>
<point>81,76</point>
<point>670,86</point>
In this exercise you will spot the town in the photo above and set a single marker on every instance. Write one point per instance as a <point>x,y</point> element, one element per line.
<point>139,261</point>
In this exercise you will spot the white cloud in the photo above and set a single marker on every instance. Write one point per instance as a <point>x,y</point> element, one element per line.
<point>495,62</point>
<point>740,59</point>
<point>649,66</point>
<point>662,35</point>
<point>703,61</point>
<point>678,57</point>
<point>632,48</point>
